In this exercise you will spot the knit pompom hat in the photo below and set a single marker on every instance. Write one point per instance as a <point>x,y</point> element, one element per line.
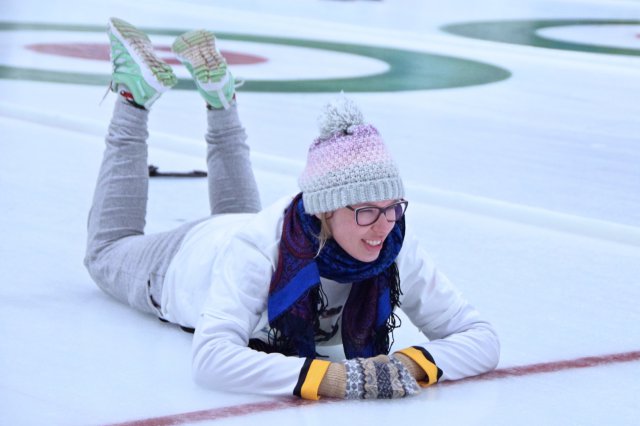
<point>348,163</point>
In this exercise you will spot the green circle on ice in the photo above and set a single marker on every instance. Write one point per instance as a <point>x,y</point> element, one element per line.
<point>526,33</point>
<point>407,70</point>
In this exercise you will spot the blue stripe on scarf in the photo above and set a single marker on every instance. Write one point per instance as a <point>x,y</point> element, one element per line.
<point>290,292</point>
<point>384,308</point>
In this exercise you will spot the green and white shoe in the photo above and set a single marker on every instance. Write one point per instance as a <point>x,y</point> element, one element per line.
<point>136,66</point>
<point>197,51</point>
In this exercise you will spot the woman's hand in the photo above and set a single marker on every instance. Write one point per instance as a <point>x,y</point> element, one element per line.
<point>380,377</point>
<point>412,366</point>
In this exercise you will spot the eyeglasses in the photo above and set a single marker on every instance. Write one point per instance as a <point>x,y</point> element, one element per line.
<point>367,215</point>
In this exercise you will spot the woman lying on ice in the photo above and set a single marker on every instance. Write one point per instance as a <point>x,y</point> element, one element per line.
<point>264,289</point>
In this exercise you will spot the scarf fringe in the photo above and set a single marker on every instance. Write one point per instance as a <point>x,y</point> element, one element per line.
<point>384,335</point>
<point>288,332</point>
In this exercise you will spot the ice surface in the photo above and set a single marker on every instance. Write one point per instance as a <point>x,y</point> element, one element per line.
<point>526,192</point>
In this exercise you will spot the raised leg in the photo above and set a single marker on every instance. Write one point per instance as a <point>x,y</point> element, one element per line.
<point>232,185</point>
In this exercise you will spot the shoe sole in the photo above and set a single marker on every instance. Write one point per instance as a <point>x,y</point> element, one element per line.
<point>197,49</point>
<point>130,36</point>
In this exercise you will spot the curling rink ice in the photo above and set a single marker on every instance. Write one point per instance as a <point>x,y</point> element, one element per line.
<point>516,126</point>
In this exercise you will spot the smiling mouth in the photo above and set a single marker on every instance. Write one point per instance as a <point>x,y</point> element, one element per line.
<point>373,243</point>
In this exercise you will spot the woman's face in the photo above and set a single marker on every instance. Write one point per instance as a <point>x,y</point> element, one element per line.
<point>361,242</point>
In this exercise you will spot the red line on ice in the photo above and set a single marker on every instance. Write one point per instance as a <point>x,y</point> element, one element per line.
<point>261,407</point>
<point>222,412</point>
<point>551,367</point>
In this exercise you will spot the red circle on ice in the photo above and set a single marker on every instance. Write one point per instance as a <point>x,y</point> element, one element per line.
<point>100,52</point>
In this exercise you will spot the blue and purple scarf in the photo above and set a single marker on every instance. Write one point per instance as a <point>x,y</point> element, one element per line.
<point>296,297</point>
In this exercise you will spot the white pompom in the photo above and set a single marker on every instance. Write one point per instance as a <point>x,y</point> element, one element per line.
<point>338,116</point>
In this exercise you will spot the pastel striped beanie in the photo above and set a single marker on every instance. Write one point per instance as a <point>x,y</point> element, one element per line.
<point>348,163</point>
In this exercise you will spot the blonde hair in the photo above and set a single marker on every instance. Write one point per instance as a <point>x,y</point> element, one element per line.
<point>325,231</point>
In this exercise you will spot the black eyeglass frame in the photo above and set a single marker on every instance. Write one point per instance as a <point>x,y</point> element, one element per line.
<point>381,210</point>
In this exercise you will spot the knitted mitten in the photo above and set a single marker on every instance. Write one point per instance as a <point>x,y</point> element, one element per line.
<point>334,383</point>
<point>380,377</point>
<point>411,366</point>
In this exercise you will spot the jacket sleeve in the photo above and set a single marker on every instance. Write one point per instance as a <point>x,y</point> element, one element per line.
<point>221,358</point>
<point>461,343</point>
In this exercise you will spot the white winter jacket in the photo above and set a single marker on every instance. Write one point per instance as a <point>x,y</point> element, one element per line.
<point>218,282</point>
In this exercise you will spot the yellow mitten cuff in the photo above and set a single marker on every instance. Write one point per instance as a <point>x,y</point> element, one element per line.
<point>425,361</point>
